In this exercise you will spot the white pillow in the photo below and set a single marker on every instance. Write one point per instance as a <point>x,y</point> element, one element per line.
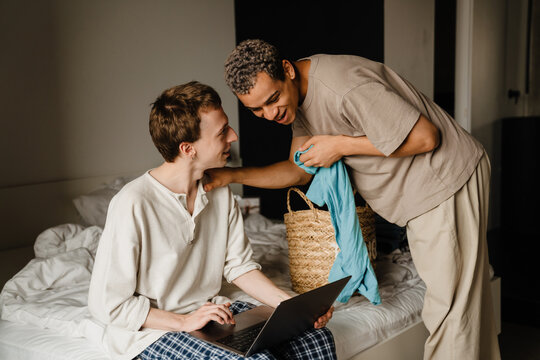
<point>92,207</point>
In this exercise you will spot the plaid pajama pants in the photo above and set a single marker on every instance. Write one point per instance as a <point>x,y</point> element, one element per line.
<point>312,344</point>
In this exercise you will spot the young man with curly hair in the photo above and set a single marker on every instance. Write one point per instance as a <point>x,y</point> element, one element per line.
<point>412,163</point>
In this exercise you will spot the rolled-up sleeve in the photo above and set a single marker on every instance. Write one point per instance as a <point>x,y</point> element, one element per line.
<point>384,116</point>
<point>112,298</point>
<point>239,257</point>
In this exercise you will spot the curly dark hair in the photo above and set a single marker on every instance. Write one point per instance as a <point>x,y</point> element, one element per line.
<point>176,116</point>
<point>247,60</point>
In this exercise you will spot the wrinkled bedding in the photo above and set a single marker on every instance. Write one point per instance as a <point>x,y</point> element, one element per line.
<point>50,292</point>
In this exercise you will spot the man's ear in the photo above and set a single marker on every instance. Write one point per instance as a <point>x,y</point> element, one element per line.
<point>289,69</point>
<point>187,150</point>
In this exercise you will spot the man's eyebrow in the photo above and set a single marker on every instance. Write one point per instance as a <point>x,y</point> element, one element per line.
<point>266,102</point>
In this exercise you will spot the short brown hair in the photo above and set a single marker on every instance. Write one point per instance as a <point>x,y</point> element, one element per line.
<point>175,116</point>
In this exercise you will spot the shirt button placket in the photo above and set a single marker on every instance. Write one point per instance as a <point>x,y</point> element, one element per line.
<point>183,204</point>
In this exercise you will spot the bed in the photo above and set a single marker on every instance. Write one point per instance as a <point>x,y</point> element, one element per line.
<point>43,306</point>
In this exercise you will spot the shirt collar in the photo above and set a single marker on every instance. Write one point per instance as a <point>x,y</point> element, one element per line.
<point>200,201</point>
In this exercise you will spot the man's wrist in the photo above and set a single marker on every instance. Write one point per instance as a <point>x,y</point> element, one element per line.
<point>346,145</point>
<point>234,175</point>
<point>179,322</point>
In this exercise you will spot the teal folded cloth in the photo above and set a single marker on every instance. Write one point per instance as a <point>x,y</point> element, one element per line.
<point>331,186</point>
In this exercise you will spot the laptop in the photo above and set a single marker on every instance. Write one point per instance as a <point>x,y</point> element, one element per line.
<point>264,327</point>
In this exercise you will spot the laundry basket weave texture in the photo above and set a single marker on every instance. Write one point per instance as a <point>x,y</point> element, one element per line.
<point>312,242</point>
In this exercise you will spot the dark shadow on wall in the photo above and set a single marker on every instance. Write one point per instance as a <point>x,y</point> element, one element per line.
<point>32,139</point>
<point>518,242</point>
<point>445,55</point>
<point>299,29</point>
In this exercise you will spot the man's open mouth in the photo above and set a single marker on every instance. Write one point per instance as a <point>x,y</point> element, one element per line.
<point>282,116</point>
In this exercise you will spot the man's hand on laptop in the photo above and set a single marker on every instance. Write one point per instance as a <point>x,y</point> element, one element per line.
<point>323,320</point>
<point>219,313</point>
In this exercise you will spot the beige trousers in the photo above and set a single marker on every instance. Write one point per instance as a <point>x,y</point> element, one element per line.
<point>449,248</point>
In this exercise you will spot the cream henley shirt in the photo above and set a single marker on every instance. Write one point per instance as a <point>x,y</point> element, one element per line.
<point>154,253</point>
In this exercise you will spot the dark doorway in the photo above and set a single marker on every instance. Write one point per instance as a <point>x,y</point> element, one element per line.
<point>445,54</point>
<point>298,29</point>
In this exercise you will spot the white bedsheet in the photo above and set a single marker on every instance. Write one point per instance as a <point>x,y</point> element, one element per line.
<point>27,342</point>
<point>51,293</point>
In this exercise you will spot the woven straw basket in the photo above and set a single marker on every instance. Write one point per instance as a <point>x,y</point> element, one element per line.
<point>312,243</point>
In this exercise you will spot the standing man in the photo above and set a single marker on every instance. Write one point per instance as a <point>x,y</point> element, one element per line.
<point>411,162</point>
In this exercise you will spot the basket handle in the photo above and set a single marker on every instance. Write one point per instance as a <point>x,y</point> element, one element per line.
<point>302,195</point>
<point>308,202</point>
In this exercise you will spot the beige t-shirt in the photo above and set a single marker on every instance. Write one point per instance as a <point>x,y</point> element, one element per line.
<point>154,253</point>
<point>350,95</point>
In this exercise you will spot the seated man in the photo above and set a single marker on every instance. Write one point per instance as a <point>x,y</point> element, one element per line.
<point>167,244</point>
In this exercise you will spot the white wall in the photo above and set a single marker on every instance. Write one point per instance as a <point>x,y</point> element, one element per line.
<point>481,65</point>
<point>488,87</point>
<point>77,79</point>
<point>409,37</point>
<point>77,76</point>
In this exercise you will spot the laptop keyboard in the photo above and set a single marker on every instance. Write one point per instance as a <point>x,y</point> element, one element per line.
<point>242,340</point>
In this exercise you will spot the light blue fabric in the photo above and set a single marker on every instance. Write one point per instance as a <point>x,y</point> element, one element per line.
<point>331,186</point>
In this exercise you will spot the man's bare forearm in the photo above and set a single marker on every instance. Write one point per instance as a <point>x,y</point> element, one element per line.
<point>276,176</point>
<point>257,285</point>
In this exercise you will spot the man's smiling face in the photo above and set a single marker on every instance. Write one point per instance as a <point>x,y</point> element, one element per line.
<point>214,145</point>
<point>274,100</point>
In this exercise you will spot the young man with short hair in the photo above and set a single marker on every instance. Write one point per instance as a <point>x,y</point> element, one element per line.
<point>412,163</point>
<point>167,244</point>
